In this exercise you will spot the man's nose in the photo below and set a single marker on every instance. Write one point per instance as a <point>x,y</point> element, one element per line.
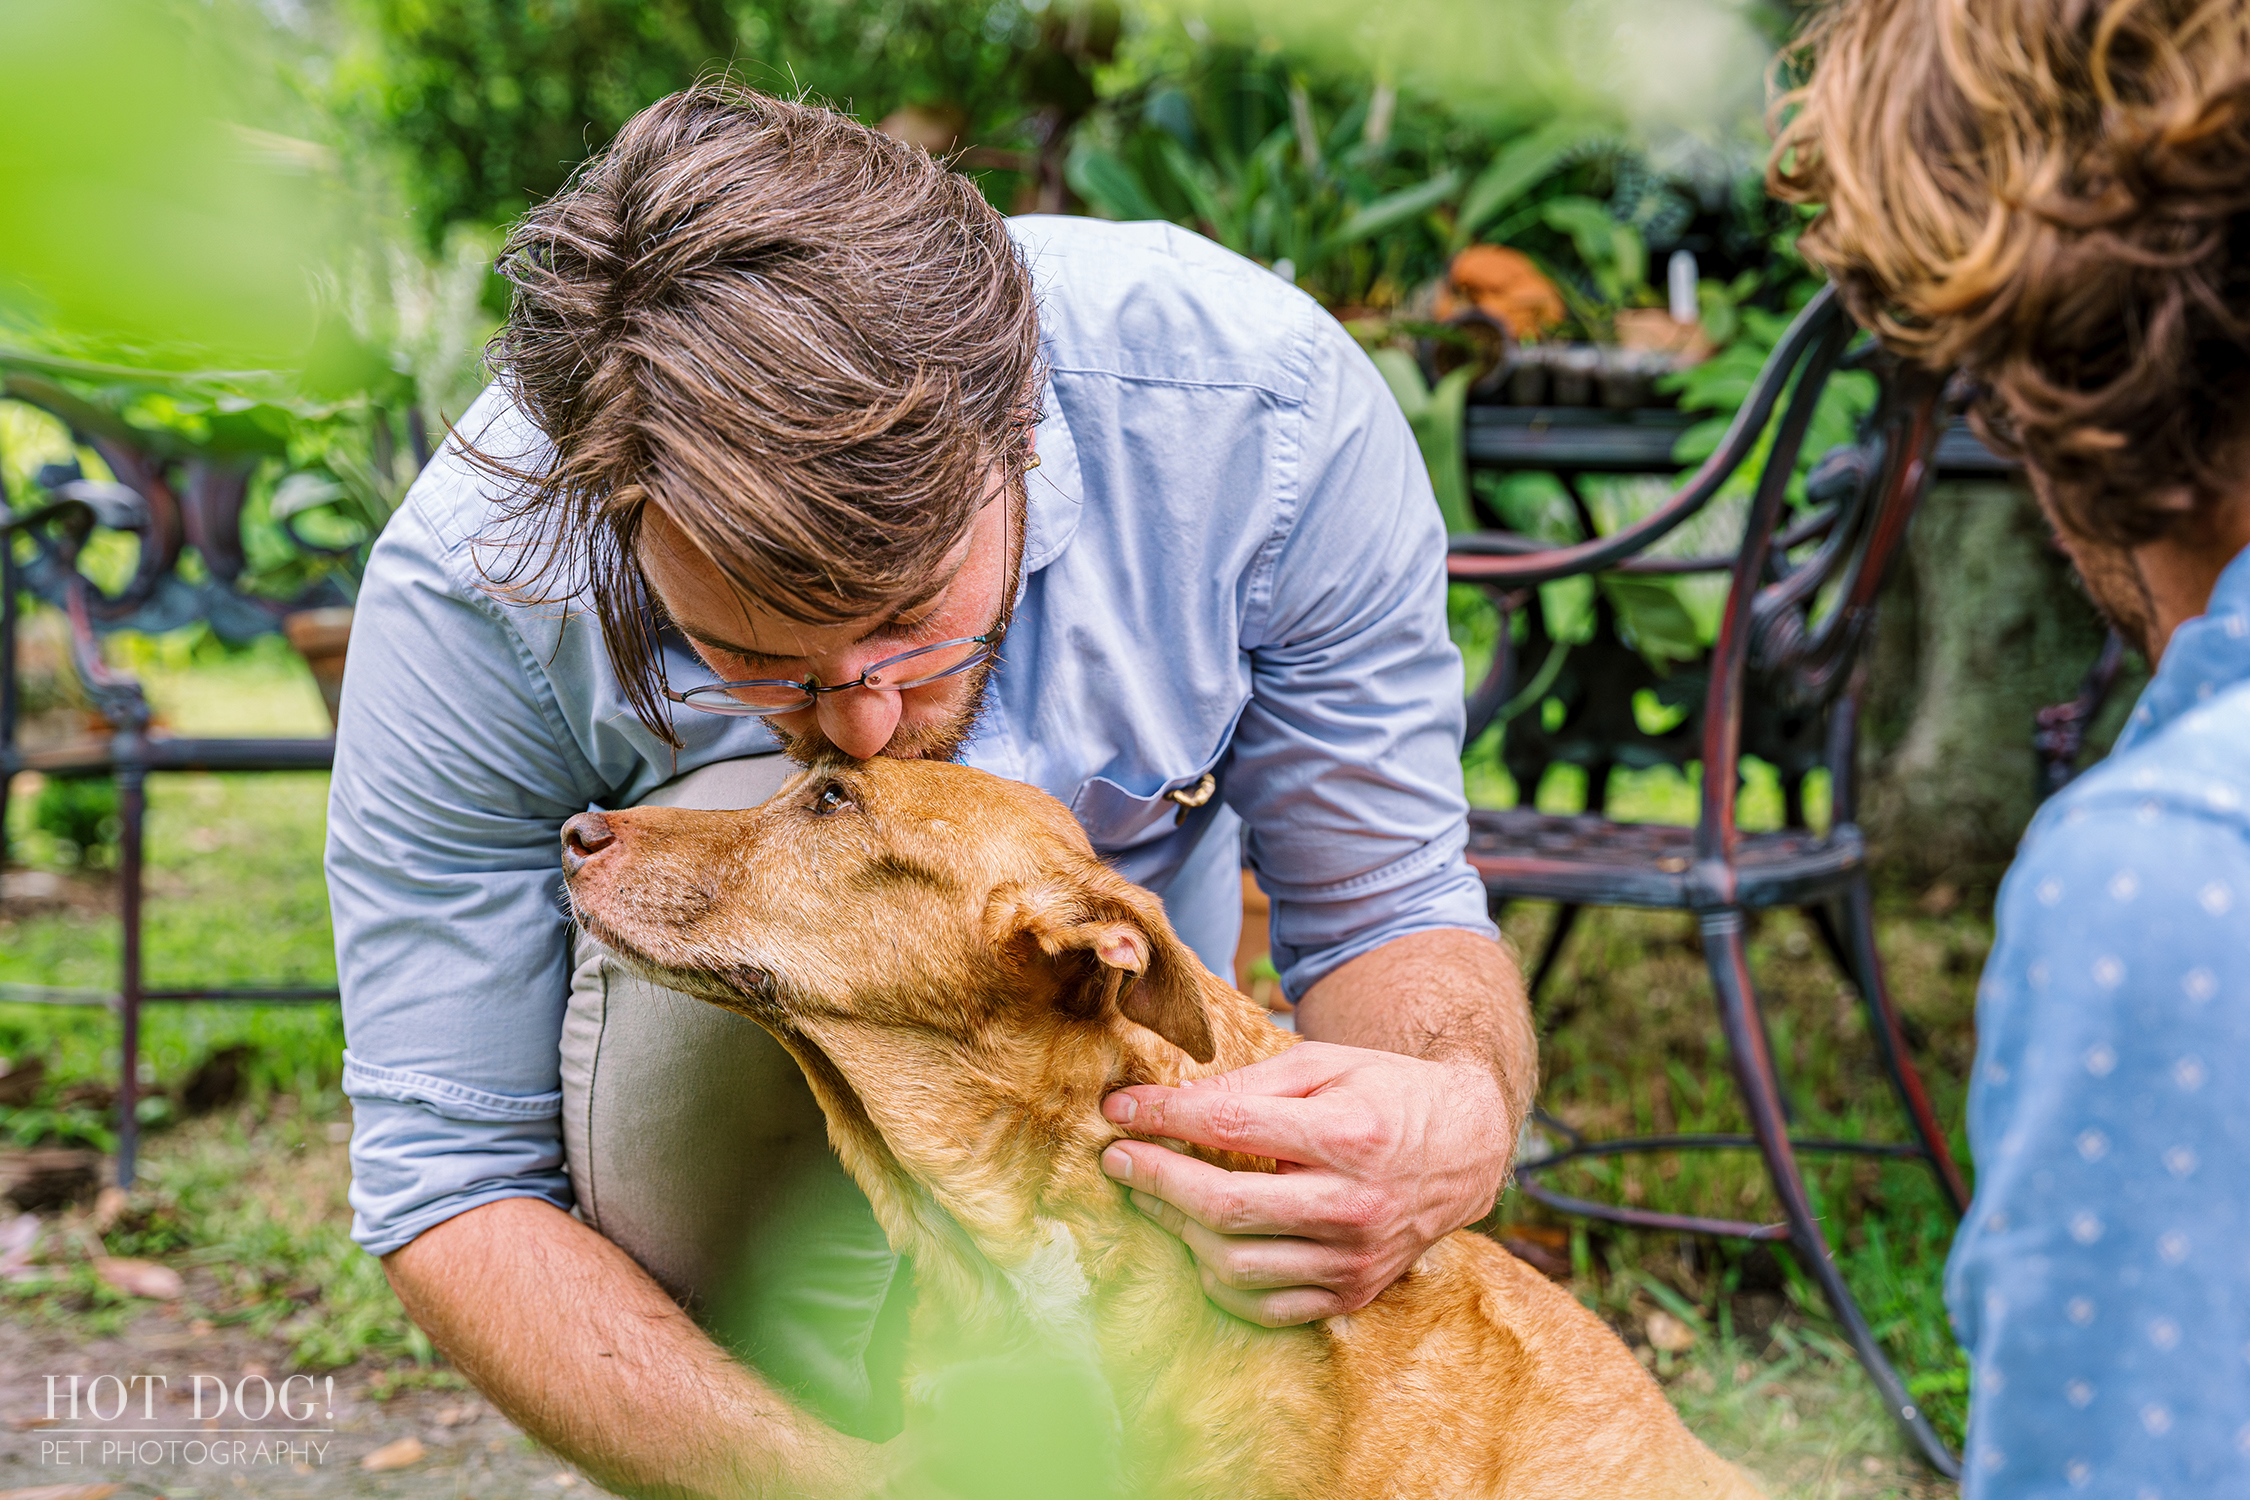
<point>859,721</point>
<point>583,837</point>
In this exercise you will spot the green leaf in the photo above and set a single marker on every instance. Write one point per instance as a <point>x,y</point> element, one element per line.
<point>1700,441</point>
<point>1404,377</point>
<point>1721,382</point>
<point>1194,180</point>
<point>303,491</point>
<point>1516,170</point>
<point>1103,179</point>
<point>1436,417</point>
<point>1398,207</point>
<point>1652,619</point>
<point>1715,307</point>
<point>1613,252</point>
<point>1631,260</point>
<point>1439,434</point>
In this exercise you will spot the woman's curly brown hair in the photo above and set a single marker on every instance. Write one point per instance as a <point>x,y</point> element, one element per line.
<point>2055,196</point>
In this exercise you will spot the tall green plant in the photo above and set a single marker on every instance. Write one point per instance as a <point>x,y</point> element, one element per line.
<point>1359,194</point>
<point>490,104</point>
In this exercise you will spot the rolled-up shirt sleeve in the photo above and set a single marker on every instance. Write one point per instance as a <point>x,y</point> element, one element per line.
<point>1347,759</point>
<point>453,775</point>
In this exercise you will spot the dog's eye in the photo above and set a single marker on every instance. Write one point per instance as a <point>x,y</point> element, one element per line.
<point>831,798</point>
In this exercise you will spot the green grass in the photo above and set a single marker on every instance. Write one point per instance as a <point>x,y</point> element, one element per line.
<point>1631,1044</point>
<point>254,1198</point>
<point>234,897</point>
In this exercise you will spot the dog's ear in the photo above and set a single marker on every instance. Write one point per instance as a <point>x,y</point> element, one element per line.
<point>1129,958</point>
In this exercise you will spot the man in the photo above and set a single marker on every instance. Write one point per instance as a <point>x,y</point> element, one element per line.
<point>775,455</point>
<point>2053,196</point>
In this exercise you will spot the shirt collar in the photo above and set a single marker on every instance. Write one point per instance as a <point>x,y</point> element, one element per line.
<point>1054,492</point>
<point>2205,656</point>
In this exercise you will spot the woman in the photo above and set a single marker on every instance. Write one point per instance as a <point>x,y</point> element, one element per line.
<point>2054,196</point>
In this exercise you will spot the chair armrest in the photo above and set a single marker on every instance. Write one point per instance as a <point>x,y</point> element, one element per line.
<point>1810,527</point>
<point>1511,561</point>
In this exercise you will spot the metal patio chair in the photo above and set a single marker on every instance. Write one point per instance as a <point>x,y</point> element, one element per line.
<point>168,501</point>
<point>1782,683</point>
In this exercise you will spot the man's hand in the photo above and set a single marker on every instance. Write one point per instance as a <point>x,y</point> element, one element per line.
<point>1381,1155</point>
<point>1394,1125</point>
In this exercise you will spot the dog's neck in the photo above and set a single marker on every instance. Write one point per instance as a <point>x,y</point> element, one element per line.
<point>982,1160</point>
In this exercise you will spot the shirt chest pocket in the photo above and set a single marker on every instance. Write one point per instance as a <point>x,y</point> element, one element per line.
<point>1118,817</point>
<point>1139,805</point>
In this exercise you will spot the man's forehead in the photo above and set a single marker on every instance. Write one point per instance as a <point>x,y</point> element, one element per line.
<point>709,606</point>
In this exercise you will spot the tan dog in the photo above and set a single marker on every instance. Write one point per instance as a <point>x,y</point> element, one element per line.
<point>962,981</point>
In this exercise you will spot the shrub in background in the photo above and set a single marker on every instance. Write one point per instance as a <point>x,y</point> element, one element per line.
<point>80,812</point>
<point>490,104</point>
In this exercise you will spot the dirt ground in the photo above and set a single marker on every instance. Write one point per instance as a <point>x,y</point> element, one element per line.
<point>157,1446</point>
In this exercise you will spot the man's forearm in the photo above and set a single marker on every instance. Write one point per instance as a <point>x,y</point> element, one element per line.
<point>1444,995</point>
<point>575,1342</point>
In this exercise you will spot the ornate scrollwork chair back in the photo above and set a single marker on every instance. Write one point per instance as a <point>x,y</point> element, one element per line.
<point>1782,682</point>
<point>168,497</point>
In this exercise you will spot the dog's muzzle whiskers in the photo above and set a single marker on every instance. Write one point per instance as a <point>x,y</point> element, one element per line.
<point>566,904</point>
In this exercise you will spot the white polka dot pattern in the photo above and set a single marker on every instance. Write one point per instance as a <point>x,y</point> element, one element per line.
<point>2101,1281</point>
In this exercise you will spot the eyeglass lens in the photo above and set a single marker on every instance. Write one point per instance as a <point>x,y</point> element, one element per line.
<point>909,669</point>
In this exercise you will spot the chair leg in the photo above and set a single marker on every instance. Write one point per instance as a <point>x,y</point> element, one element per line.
<point>1866,970</point>
<point>1823,919</point>
<point>1729,959</point>
<point>132,806</point>
<point>1565,919</point>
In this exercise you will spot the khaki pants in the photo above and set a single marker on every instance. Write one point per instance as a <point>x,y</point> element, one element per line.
<point>694,1145</point>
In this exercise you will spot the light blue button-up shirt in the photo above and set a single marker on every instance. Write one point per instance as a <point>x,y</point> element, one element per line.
<point>2101,1282</point>
<point>1233,565</point>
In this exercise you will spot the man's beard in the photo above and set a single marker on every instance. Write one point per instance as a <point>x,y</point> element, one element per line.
<point>940,741</point>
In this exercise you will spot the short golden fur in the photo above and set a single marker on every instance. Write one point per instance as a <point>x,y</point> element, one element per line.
<point>962,982</point>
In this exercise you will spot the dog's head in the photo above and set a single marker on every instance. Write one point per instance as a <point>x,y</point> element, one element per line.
<point>895,893</point>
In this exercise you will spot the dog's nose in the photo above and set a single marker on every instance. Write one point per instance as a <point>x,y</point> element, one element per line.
<point>583,837</point>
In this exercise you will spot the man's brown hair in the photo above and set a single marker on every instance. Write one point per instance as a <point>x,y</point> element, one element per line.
<point>2054,195</point>
<point>808,344</point>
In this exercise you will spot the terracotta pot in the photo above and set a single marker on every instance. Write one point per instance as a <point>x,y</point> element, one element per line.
<point>320,636</point>
<point>1652,328</point>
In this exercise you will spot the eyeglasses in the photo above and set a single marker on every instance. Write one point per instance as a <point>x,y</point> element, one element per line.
<point>757,697</point>
<point>908,669</point>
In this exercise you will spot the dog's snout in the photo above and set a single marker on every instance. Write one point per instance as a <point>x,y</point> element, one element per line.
<point>583,837</point>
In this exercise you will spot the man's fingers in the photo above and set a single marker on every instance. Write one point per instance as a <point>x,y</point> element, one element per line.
<point>1269,1262</point>
<point>1253,1262</point>
<point>1163,1213</point>
<point>1292,1073</point>
<point>1253,1124</point>
<point>1274,1281</point>
<point>1230,1202</point>
<point>1312,1205</point>
<point>1279,1309</point>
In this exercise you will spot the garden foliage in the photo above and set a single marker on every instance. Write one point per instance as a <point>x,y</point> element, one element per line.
<point>489,105</point>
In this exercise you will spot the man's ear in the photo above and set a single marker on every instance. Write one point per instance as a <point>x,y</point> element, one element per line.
<point>1125,953</point>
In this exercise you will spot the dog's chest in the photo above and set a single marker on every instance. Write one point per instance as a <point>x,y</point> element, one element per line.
<point>1052,1292</point>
